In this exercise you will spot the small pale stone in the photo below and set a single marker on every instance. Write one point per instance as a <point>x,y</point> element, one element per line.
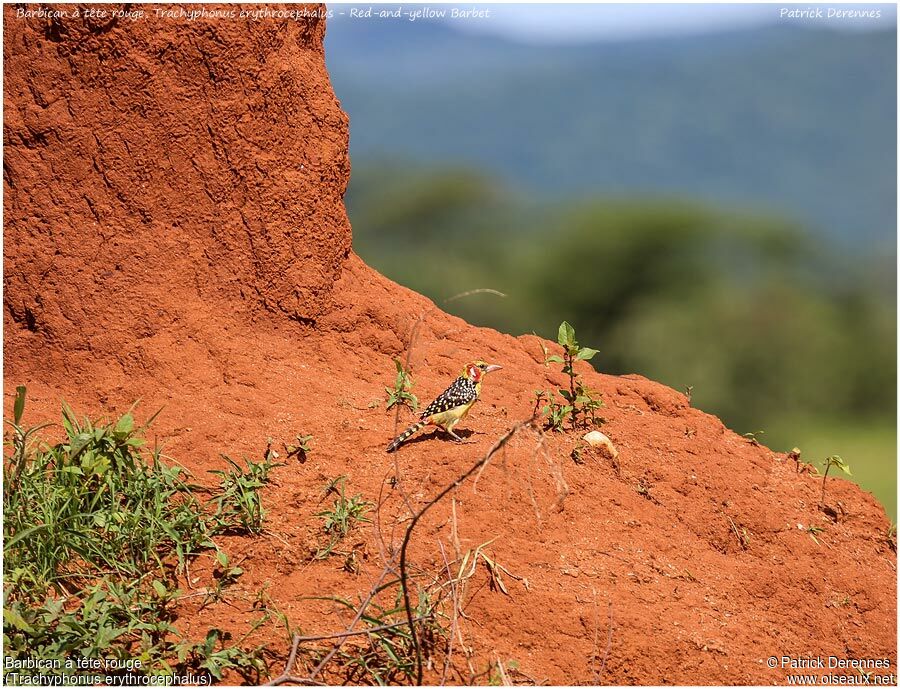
<point>598,439</point>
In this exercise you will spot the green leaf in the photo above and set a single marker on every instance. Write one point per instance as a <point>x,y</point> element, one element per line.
<point>160,588</point>
<point>12,617</point>
<point>554,359</point>
<point>389,649</point>
<point>79,443</point>
<point>586,353</point>
<point>214,668</point>
<point>22,534</point>
<point>566,334</point>
<point>211,637</point>
<point>837,461</point>
<point>19,406</point>
<point>106,635</point>
<point>125,424</point>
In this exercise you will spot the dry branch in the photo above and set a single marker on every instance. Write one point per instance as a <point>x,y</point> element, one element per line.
<point>404,580</point>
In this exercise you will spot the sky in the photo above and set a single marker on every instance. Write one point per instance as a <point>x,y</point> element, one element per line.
<point>554,23</point>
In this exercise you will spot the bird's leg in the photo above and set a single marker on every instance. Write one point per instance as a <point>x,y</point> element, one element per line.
<point>455,437</point>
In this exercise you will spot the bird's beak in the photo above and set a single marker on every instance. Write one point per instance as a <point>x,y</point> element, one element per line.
<point>492,367</point>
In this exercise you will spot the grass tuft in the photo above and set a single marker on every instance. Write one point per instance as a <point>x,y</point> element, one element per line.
<point>97,530</point>
<point>344,514</point>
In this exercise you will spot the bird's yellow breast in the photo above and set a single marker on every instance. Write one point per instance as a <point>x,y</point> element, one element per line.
<point>451,417</point>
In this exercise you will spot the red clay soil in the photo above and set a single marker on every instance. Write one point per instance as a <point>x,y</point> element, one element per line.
<point>175,232</point>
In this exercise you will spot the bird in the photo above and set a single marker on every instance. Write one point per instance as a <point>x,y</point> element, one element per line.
<point>452,405</point>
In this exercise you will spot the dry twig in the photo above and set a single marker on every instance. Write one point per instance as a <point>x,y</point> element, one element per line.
<point>286,676</point>
<point>412,525</point>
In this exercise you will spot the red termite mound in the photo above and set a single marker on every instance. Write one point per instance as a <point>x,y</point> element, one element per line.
<point>175,232</point>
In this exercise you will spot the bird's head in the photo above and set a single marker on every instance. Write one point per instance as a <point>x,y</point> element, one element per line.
<point>477,369</point>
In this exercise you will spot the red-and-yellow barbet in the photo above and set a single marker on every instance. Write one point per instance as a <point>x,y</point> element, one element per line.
<point>452,405</point>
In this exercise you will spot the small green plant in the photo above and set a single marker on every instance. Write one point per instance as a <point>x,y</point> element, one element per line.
<point>390,657</point>
<point>643,489</point>
<point>20,442</point>
<point>344,514</point>
<point>833,461</point>
<point>580,403</point>
<point>300,448</point>
<point>401,392</point>
<point>752,437</point>
<point>841,602</point>
<point>214,656</point>
<point>225,574</point>
<point>812,531</point>
<point>238,503</point>
<point>554,411</point>
<point>891,537</point>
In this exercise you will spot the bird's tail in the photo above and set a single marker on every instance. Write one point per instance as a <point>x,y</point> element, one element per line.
<point>403,437</point>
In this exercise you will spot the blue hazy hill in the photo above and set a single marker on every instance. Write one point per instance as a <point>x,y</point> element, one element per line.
<point>790,120</point>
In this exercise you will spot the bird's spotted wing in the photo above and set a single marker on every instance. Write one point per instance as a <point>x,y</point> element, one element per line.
<point>461,392</point>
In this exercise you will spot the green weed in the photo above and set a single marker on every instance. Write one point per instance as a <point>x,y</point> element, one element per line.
<point>238,503</point>
<point>300,448</point>
<point>833,461</point>
<point>401,392</point>
<point>554,411</point>
<point>344,514</point>
<point>214,655</point>
<point>812,531</point>
<point>580,403</point>
<point>752,437</point>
